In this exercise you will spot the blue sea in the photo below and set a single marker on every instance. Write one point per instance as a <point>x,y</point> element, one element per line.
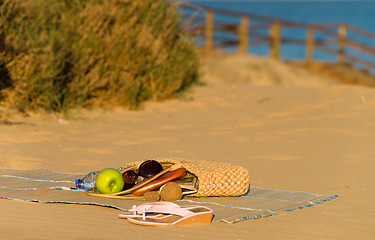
<point>357,13</point>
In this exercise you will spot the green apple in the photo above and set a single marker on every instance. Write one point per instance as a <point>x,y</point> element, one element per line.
<point>109,180</point>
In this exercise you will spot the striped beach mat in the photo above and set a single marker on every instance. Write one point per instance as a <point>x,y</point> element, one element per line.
<point>46,186</point>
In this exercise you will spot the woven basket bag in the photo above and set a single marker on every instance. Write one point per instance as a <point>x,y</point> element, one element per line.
<point>215,178</point>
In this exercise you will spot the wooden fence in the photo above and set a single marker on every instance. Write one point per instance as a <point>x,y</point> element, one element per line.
<point>219,28</point>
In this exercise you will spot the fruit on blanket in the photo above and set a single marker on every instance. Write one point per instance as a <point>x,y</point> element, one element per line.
<point>109,180</point>
<point>130,177</point>
<point>171,191</point>
<point>149,168</point>
<point>152,196</point>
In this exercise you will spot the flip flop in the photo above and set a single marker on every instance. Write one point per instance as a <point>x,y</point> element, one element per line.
<point>175,216</point>
<point>146,209</point>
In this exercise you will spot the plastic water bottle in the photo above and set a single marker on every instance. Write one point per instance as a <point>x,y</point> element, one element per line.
<point>87,181</point>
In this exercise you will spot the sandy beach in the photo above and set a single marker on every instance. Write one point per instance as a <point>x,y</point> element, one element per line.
<point>292,129</point>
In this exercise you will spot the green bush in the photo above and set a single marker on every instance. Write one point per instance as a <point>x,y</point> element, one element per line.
<point>61,54</point>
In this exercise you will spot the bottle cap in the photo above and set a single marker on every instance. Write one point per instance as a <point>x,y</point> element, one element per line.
<point>79,183</point>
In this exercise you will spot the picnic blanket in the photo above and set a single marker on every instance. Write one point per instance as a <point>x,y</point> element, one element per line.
<point>47,186</point>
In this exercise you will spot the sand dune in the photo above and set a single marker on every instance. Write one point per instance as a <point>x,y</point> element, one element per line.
<point>290,128</point>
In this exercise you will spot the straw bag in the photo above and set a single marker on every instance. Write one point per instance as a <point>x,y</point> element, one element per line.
<point>214,178</point>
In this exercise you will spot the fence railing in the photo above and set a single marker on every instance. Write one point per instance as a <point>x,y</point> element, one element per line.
<point>220,28</point>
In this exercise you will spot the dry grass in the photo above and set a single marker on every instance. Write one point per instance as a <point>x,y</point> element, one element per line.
<point>60,55</point>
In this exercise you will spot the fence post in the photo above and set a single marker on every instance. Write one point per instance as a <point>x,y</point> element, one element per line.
<point>310,44</point>
<point>243,30</point>
<point>275,37</point>
<point>341,37</point>
<point>209,31</point>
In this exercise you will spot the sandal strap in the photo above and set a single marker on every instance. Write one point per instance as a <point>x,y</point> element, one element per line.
<point>145,206</point>
<point>173,211</point>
